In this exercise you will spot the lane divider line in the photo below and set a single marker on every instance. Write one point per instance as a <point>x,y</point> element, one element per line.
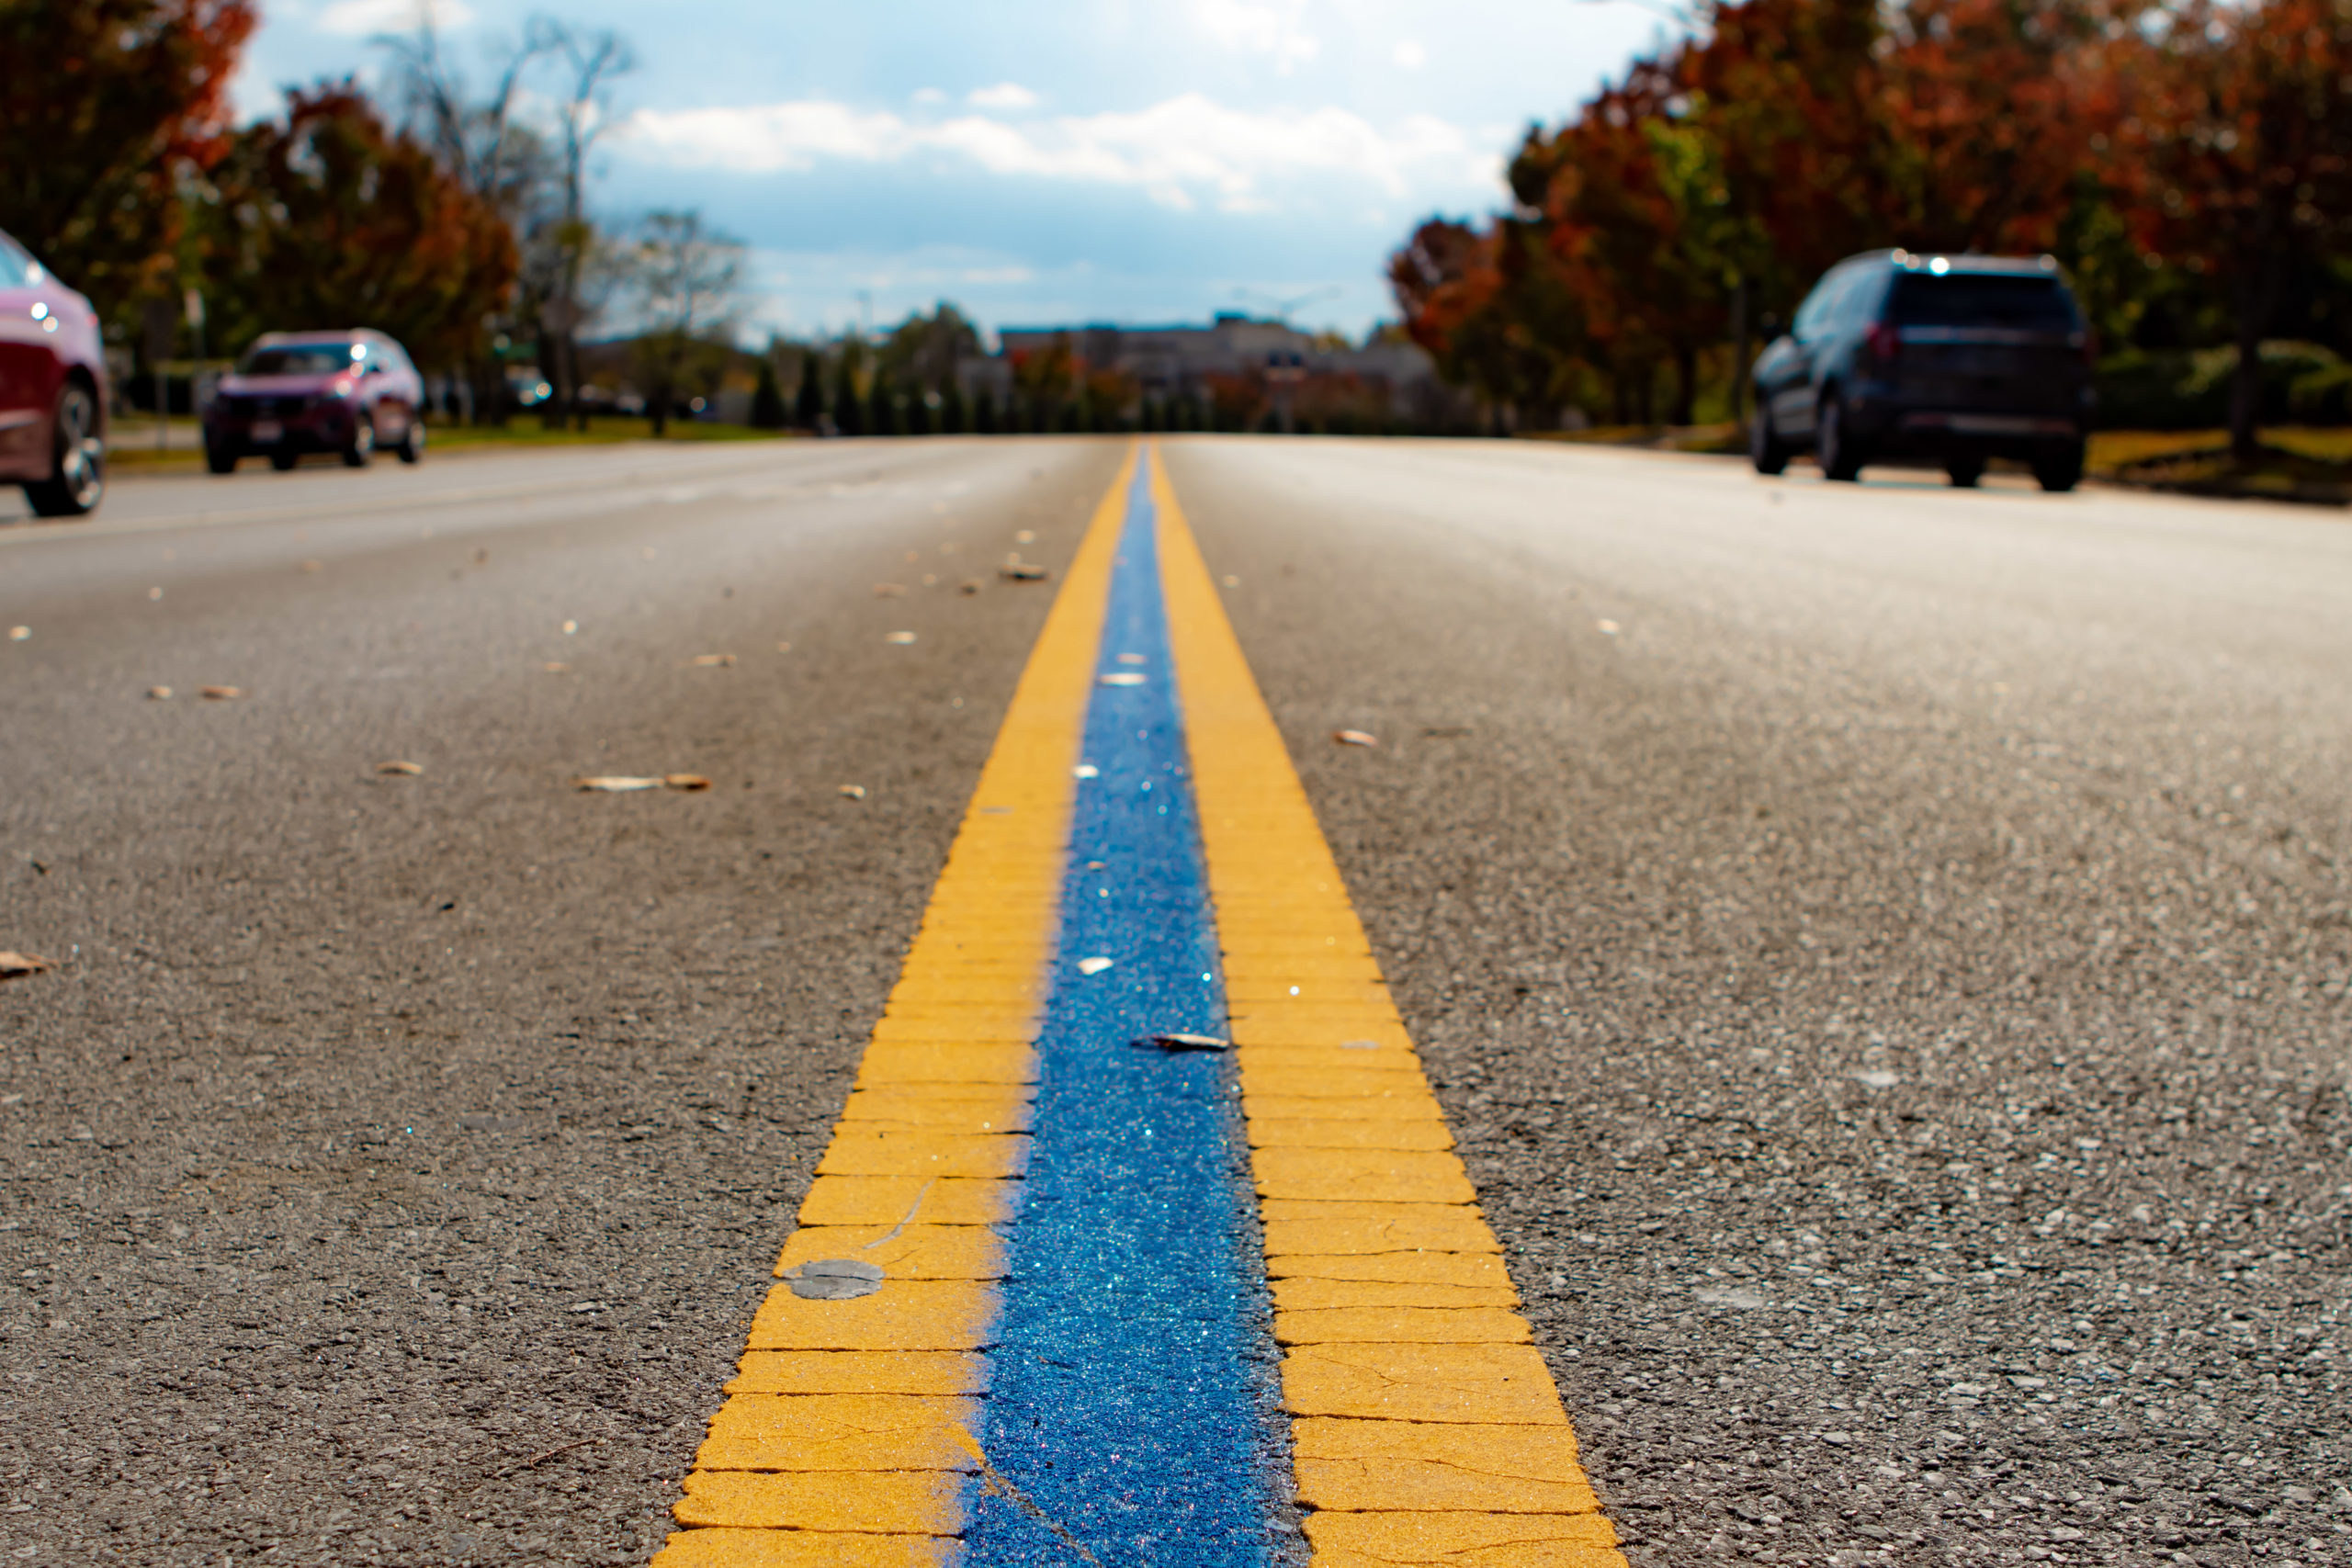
<point>1131,1399</point>
<point>846,1440</point>
<point>1425,1426</point>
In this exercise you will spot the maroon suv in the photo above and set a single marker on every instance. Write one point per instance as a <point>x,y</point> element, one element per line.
<point>348,392</point>
<point>52,389</point>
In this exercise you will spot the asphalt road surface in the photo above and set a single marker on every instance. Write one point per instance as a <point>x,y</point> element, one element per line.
<point>1885,953</point>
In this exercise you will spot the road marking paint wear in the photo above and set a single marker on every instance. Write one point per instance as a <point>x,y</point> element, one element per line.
<point>838,1444</point>
<point>1424,1429</point>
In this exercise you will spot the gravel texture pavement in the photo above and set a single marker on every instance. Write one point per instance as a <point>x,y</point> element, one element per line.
<point>389,1167</point>
<point>1884,952</point>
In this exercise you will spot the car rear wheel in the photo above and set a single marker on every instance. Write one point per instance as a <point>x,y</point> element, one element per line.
<point>362,444</point>
<point>77,476</point>
<point>2061,471</point>
<point>1964,471</point>
<point>412,446</point>
<point>1840,456</point>
<point>284,459</point>
<point>1764,447</point>
<point>220,459</point>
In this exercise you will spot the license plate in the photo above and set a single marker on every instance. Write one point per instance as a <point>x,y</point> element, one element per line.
<point>268,430</point>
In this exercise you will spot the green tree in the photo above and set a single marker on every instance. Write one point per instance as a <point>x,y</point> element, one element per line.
<point>685,278</point>
<point>768,411</point>
<point>923,351</point>
<point>809,406</point>
<point>883,416</point>
<point>849,402</point>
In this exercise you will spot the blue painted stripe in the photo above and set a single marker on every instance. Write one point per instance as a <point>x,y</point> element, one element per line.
<point>1127,1394</point>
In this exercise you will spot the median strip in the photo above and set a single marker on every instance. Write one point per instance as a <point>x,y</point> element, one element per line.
<point>1028,1314</point>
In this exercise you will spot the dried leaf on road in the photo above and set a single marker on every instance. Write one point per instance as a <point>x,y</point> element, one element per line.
<point>222,693</point>
<point>18,634</point>
<point>854,792</point>
<point>1186,1042</point>
<point>1608,629</point>
<point>405,770</point>
<point>1355,737</point>
<point>159,694</point>
<point>555,667</point>
<point>783,647</point>
<point>315,566</point>
<point>571,628</point>
<point>1233,582</point>
<point>16,965</point>
<point>712,661</point>
<point>1018,571</point>
<point>900,637</point>
<point>970,585</point>
<point>1025,538</point>
<point>1093,965</point>
<point>685,781</point>
<point>618,784</point>
<point>889,590</point>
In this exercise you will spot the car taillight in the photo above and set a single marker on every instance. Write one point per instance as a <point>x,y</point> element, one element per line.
<point>1885,343</point>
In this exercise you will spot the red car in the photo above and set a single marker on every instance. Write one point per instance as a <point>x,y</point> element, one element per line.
<point>345,393</point>
<point>52,389</point>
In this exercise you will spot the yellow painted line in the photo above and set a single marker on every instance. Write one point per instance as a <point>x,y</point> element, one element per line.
<point>844,1435</point>
<point>1426,1429</point>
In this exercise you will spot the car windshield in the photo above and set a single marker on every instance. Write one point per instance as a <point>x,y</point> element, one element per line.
<point>1982,300</point>
<point>299,359</point>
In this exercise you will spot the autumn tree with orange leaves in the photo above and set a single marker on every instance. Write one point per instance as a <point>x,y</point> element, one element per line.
<point>2237,158</point>
<point>328,218</point>
<point>112,105</point>
<point>1718,180</point>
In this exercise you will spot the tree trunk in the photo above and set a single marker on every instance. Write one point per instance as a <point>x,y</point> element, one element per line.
<point>1739,350</point>
<point>658,406</point>
<point>2260,281</point>
<point>551,365</point>
<point>2245,385</point>
<point>1686,384</point>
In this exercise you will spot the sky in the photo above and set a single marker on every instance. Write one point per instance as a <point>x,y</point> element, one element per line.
<point>1090,161</point>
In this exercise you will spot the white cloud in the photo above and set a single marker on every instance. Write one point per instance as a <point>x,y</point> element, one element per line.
<point>358,18</point>
<point>1259,29</point>
<point>1410,54</point>
<point>1180,151</point>
<point>1004,96</point>
<point>929,96</point>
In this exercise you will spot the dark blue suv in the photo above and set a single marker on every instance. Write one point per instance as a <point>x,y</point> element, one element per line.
<point>1954,359</point>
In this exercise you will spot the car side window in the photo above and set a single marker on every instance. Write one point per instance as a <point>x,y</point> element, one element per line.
<point>15,268</point>
<point>1809,314</point>
<point>1862,300</point>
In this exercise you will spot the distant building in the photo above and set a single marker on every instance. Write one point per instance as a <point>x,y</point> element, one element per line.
<point>1170,364</point>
